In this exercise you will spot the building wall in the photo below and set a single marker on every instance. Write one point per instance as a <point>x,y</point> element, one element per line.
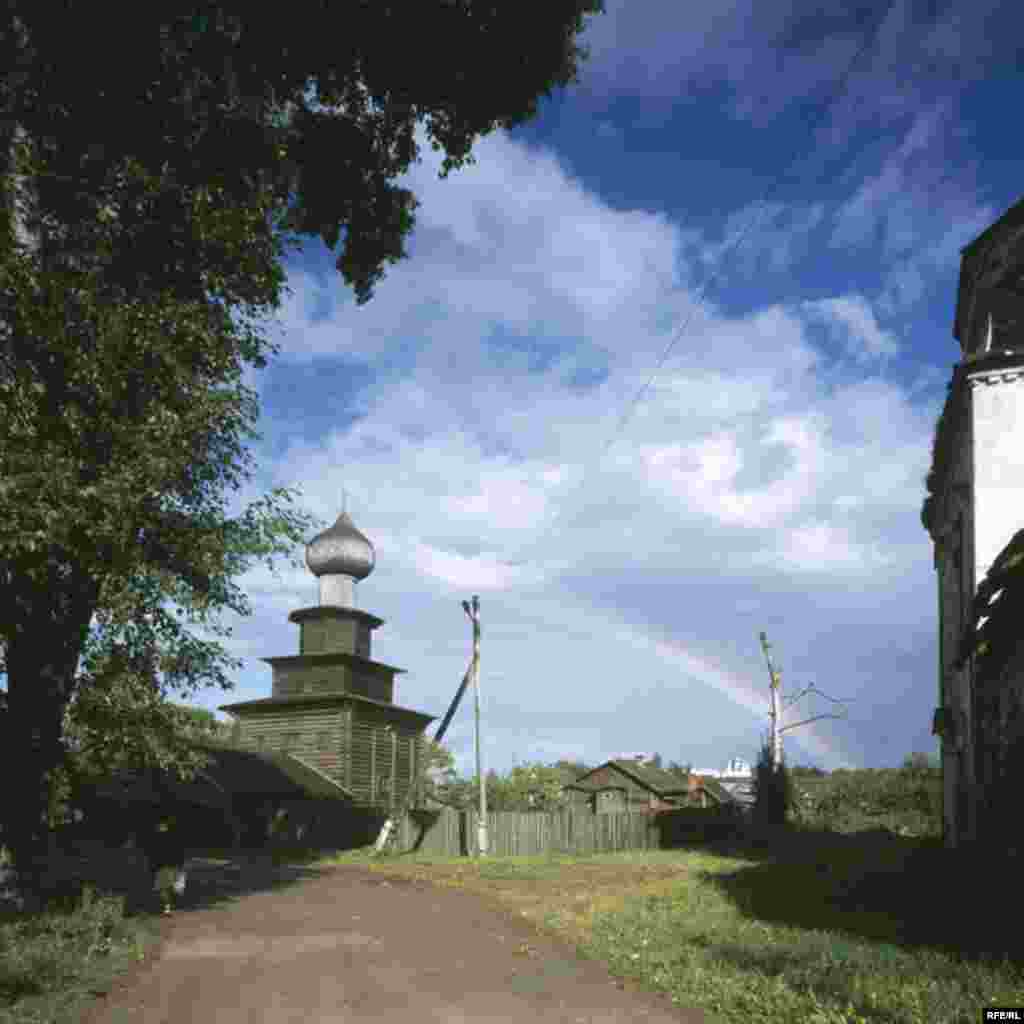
<point>997,424</point>
<point>954,563</point>
<point>350,745</point>
<point>314,734</point>
<point>297,679</point>
<point>330,635</point>
<point>375,753</point>
<point>376,686</point>
<point>616,792</point>
<point>979,512</point>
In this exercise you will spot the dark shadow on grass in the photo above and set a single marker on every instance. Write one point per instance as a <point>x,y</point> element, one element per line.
<point>877,886</point>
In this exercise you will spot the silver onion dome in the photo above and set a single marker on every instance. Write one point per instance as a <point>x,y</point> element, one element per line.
<point>341,550</point>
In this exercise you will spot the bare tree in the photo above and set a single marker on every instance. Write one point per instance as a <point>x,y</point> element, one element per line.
<point>777,709</point>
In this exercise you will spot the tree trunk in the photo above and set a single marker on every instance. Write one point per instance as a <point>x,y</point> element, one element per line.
<point>46,622</point>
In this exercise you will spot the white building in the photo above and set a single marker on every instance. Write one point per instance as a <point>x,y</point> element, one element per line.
<point>736,768</point>
<point>975,506</point>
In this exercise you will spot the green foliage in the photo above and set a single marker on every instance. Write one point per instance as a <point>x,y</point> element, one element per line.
<point>162,181</point>
<point>132,437</point>
<point>56,959</point>
<point>315,117</point>
<point>439,773</point>
<point>526,788</point>
<point>774,796</point>
<point>907,798</point>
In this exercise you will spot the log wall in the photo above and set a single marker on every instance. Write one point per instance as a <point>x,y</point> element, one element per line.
<point>314,734</point>
<point>350,744</point>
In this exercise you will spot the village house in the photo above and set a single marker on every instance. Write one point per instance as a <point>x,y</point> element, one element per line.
<point>974,509</point>
<point>633,785</point>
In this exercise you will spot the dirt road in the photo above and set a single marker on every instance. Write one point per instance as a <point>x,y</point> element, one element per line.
<point>346,945</point>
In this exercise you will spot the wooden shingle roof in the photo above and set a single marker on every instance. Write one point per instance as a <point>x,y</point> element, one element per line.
<point>417,718</point>
<point>231,773</point>
<point>252,773</point>
<point>657,780</point>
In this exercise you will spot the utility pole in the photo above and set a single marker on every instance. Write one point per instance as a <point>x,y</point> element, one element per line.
<point>776,735</point>
<point>388,831</point>
<point>474,616</point>
<point>776,712</point>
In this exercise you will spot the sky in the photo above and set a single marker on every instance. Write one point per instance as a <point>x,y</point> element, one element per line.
<point>662,371</point>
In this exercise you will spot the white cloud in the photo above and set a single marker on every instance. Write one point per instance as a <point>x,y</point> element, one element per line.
<point>857,323</point>
<point>476,467</point>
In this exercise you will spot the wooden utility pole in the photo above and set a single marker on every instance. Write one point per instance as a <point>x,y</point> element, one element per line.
<point>389,831</point>
<point>776,709</point>
<point>474,616</point>
<point>776,735</point>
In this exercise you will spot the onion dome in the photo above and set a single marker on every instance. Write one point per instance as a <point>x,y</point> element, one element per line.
<point>341,551</point>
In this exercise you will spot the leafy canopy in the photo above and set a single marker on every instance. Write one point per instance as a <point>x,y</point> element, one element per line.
<point>320,105</point>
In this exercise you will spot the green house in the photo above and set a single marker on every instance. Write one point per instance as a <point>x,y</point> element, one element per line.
<point>332,710</point>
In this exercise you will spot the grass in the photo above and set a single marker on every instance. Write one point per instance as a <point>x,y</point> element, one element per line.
<point>786,926</point>
<point>52,965</point>
<point>810,933</point>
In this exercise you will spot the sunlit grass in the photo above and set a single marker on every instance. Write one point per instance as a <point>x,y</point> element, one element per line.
<point>773,937</point>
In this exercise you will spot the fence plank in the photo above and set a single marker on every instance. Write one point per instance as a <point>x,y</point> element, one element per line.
<point>578,831</point>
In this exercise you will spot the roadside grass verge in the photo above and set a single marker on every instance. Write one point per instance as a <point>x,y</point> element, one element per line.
<point>816,931</point>
<point>54,964</point>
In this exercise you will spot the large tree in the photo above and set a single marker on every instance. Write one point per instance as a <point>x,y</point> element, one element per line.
<point>219,104</point>
<point>153,187</point>
<point>111,510</point>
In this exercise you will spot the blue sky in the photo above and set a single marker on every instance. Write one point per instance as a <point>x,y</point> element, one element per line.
<point>771,476</point>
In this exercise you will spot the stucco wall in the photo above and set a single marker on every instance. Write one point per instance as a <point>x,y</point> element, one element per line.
<point>997,424</point>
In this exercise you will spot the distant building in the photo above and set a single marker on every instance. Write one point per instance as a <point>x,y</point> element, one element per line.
<point>737,767</point>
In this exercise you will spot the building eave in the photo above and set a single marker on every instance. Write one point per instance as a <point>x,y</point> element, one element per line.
<point>323,700</point>
<point>331,611</point>
<point>335,658</point>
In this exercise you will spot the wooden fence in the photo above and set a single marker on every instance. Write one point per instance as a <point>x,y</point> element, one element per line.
<point>453,833</point>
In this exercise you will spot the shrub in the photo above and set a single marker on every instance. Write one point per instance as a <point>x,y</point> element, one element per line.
<point>774,795</point>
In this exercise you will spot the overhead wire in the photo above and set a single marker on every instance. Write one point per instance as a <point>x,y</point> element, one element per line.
<point>839,89</point>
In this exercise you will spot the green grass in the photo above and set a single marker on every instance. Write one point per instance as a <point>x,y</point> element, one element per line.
<point>53,964</point>
<point>789,926</point>
<point>802,930</point>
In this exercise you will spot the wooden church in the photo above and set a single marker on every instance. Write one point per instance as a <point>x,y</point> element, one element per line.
<point>332,716</point>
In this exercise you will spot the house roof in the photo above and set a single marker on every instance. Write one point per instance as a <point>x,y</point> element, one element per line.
<point>231,773</point>
<point>657,780</point>
<point>250,773</point>
<point>153,788</point>
<point>417,717</point>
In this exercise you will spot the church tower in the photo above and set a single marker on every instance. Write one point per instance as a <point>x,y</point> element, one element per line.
<point>975,503</point>
<point>332,706</point>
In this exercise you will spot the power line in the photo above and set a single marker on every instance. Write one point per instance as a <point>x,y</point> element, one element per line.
<point>841,86</point>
